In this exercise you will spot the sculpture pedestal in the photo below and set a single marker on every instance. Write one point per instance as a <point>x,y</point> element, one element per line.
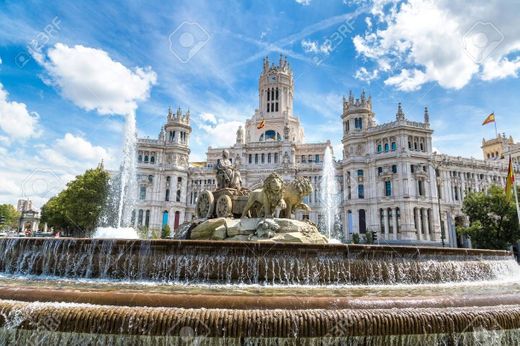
<point>254,229</point>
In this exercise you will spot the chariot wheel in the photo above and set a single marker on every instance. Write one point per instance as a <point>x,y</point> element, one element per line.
<point>205,205</point>
<point>224,206</point>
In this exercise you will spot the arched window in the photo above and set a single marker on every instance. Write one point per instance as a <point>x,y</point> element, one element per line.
<point>394,146</point>
<point>379,148</point>
<point>167,196</point>
<point>398,219</point>
<point>386,147</point>
<point>382,220</point>
<point>146,159</point>
<point>140,217</point>
<point>165,218</point>
<point>362,221</point>
<point>147,219</point>
<point>152,159</point>
<point>277,95</point>
<point>268,96</point>
<point>390,221</point>
<point>176,220</point>
<point>270,135</point>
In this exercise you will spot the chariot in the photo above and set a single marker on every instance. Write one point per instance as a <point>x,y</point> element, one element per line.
<point>226,202</point>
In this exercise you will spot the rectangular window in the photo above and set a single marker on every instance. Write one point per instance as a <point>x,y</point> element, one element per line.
<point>275,157</point>
<point>360,173</point>
<point>361,192</point>
<point>317,158</point>
<point>142,193</point>
<point>256,158</point>
<point>304,159</point>
<point>394,169</point>
<point>379,170</point>
<point>388,188</point>
<point>250,159</point>
<point>268,157</point>
<point>412,168</point>
<point>421,187</point>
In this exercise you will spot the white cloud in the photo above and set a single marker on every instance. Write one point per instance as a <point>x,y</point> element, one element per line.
<point>15,120</point>
<point>44,174</point>
<point>221,134</point>
<point>79,148</point>
<point>0,61</point>
<point>93,81</point>
<point>444,41</point>
<point>304,2</point>
<point>209,117</point>
<point>365,75</point>
<point>310,46</point>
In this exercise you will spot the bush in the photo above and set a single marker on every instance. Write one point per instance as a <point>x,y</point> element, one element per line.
<point>166,232</point>
<point>355,238</point>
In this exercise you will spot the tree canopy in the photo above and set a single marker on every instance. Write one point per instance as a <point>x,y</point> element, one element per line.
<point>77,208</point>
<point>9,215</point>
<point>493,219</point>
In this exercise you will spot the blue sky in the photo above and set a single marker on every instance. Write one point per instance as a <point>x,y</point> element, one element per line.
<point>70,71</point>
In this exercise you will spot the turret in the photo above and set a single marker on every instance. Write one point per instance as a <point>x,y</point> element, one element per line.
<point>426,116</point>
<point>357,113</point>
<point>177,129</point>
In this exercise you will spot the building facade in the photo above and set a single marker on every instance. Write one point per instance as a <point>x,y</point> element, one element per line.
<point>391,182</point>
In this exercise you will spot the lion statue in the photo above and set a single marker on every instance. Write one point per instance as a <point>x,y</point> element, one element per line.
<point>293,195</point>
<point>269,197</point>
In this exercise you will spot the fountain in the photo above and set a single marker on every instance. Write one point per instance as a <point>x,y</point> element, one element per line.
<point>241,276</point>
<point>329,200</point>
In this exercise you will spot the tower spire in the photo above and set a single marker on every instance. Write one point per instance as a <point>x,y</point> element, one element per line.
<point>400,114</point>
<point>426,116</point>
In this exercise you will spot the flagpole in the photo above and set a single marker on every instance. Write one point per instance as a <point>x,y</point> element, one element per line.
<point>516,197</point>
<point>495,122</point>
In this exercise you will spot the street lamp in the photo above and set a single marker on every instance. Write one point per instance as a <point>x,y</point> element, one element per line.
<point>437,185</point>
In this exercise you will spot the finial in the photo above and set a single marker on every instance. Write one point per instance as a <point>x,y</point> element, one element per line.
<point>170,111</point>
<point>426,116</point>
<point>363,95</point>
<point>179,112</point>
<point>400,114</point>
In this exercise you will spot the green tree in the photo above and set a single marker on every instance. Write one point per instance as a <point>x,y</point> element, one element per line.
<point>9,216</point>
<point>166,232</point>
<point>77,208</point>
<point>493,219</point>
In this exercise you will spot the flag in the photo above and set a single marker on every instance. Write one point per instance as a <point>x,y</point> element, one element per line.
<point>510,181</point>
<point>261,124</point>
<point>490,119</point>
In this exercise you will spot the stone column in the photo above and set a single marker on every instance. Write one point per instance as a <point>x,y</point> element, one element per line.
<point>385,222</point>
<point>425,224</point>
<point>394,223</point>
<point>418,222</point>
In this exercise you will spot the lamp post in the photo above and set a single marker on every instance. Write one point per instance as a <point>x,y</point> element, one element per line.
<point>437,177</point>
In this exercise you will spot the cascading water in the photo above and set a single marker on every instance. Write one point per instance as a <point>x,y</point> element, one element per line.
<point>128,173</point>
<point>330,200</point>
<point>123,190</point>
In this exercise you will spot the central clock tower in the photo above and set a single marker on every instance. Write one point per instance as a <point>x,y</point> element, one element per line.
<point>276,88</point>
<point>274,119</point>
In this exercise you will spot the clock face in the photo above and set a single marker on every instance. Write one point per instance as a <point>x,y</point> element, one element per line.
<point>272,79</point>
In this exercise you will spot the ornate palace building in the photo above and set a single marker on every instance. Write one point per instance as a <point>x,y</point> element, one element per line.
<point>391,183</point>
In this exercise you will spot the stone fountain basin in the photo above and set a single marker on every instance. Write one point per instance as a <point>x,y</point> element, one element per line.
<point>138,292</point>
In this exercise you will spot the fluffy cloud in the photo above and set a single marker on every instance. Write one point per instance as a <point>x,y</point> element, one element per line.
<point>50,168</point>
<point>15,119</point>
<point>208,117</point>
<point>315,47</point>
<point>444,41</point>
<point>221,134</point>
<point>93,81</point>
<point>79,148</point>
